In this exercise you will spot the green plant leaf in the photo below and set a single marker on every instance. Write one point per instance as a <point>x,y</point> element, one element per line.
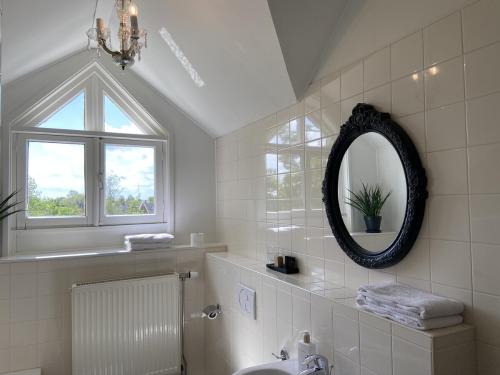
<point>5,206</point>
<point>369,200</point>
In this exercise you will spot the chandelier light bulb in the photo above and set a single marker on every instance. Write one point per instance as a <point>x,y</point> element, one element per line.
<point>133,10</point>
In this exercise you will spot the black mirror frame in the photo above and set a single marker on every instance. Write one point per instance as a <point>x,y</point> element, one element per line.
<point>365,119</point>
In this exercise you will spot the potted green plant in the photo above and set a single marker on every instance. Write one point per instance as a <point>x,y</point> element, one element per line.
<point>369,201</point>
<point>6,208</point>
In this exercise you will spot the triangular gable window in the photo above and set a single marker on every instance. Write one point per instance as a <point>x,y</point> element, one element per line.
<point>91,101</point>
<point>116,120</point>
<point>70,116</point>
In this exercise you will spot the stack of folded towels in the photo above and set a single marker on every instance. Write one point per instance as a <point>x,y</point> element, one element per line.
<point>409,306</point>
<point>148,241</point>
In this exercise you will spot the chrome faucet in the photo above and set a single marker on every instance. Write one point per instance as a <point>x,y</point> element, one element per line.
<point>316,364</point>
<point>283,355</point>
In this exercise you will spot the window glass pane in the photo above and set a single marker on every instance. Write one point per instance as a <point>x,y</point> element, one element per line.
<point>56,179</point>
<point>116,121</point>
<point>129,180</point>
<point>70,116</point>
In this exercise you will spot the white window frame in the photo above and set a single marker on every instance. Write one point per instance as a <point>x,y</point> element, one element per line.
<point>158,217</point>
<point>25,236</point>
<point>23,221</point>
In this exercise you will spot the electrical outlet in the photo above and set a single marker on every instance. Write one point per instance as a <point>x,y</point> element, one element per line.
<point>246,300</point>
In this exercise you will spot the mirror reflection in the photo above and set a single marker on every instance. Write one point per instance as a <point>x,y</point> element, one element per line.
<point>372,192</point>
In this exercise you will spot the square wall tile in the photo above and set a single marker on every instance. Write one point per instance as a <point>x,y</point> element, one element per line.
<point>335,272</point>
<point>315,242</point>
<point>376,350</point>
<point>379,277</point>
<point>380,98</point>
<point>488,359</point>
<point>355,275</point>
<point>481,71</point>
<point>312,100</point>
<point>330,89</point>
<point>485,268</point>
<point>443,39</point>
<point>444,83</point>
<point>416,263</point>
<point>301,307</point>
<point>485,218</point>
<point>299,244</point>
<point>482,119</point>
<point>451,263</point>
<point>345,366</point>
<point>297,158</point>
<point>410,359</point>
<point>331,119</point>
<point>23,285</point>
<point>297,131</point>
<point>346,107</point>
<point>322,325</point>
<point>408,95</point>
<point>447,172</point>
<point>313,154</point>
<point>25,333</point>
<point>407,55</point>
<point>414,125</point>
<point>316,267</point>
<point>24,357</point>
<point>330,245</point>
<point>312,126</point>
<point>483,169</point>
<point>486,318</point>
<point>346,336</point>
<point>449,218</point>
<point>377,68</point>
<point>445,127</point>
<point>351,80</point>
<point>480,24</point>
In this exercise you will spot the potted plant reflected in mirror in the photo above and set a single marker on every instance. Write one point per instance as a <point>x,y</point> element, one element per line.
<point>369,201</point>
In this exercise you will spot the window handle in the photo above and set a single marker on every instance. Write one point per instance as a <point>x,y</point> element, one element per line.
<point>100,179</point>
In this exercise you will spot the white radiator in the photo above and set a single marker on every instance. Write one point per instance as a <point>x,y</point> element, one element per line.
<point>127,327</point>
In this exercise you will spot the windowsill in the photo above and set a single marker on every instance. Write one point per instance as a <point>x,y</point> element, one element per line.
<point>211,247</point>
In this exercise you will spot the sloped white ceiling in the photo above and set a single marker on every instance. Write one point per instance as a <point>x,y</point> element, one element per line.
<point>233,44</point>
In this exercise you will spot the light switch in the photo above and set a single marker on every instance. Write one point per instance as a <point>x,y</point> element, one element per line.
<point>246,300</point>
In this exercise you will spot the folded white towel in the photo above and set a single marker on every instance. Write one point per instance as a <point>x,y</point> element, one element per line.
<point>409,321</point>
<point>410,301</point>
<point>149,246</point>
<point>149,238</point>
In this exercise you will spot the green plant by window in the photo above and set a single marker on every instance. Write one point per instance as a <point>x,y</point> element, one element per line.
<point>6,208</point>
<point>369,200</point>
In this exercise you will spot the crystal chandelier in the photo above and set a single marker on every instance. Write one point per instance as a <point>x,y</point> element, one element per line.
<point>131,37</point>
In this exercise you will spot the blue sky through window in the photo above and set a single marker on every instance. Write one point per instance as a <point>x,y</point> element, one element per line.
<point>71,116</point>
<point>116,121</point>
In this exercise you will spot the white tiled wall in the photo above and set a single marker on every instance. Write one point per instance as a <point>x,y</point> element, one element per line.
<point>354,341</point>
<point>35,304</point>
<point>442,84</point>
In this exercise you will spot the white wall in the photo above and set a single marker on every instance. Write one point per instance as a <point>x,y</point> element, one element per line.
<point>441,83</point>
<point>193,155</point>
<point>368,25</point>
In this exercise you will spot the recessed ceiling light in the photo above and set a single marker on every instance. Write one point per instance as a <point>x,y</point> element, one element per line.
<point>181,57</point>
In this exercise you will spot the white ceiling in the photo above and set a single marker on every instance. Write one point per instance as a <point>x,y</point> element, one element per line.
<point>233,44</point>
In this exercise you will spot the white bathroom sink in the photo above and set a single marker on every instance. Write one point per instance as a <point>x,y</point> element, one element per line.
<point>288,367</point>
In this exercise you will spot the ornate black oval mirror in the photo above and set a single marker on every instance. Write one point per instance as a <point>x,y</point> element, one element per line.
<point>374,189</point>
